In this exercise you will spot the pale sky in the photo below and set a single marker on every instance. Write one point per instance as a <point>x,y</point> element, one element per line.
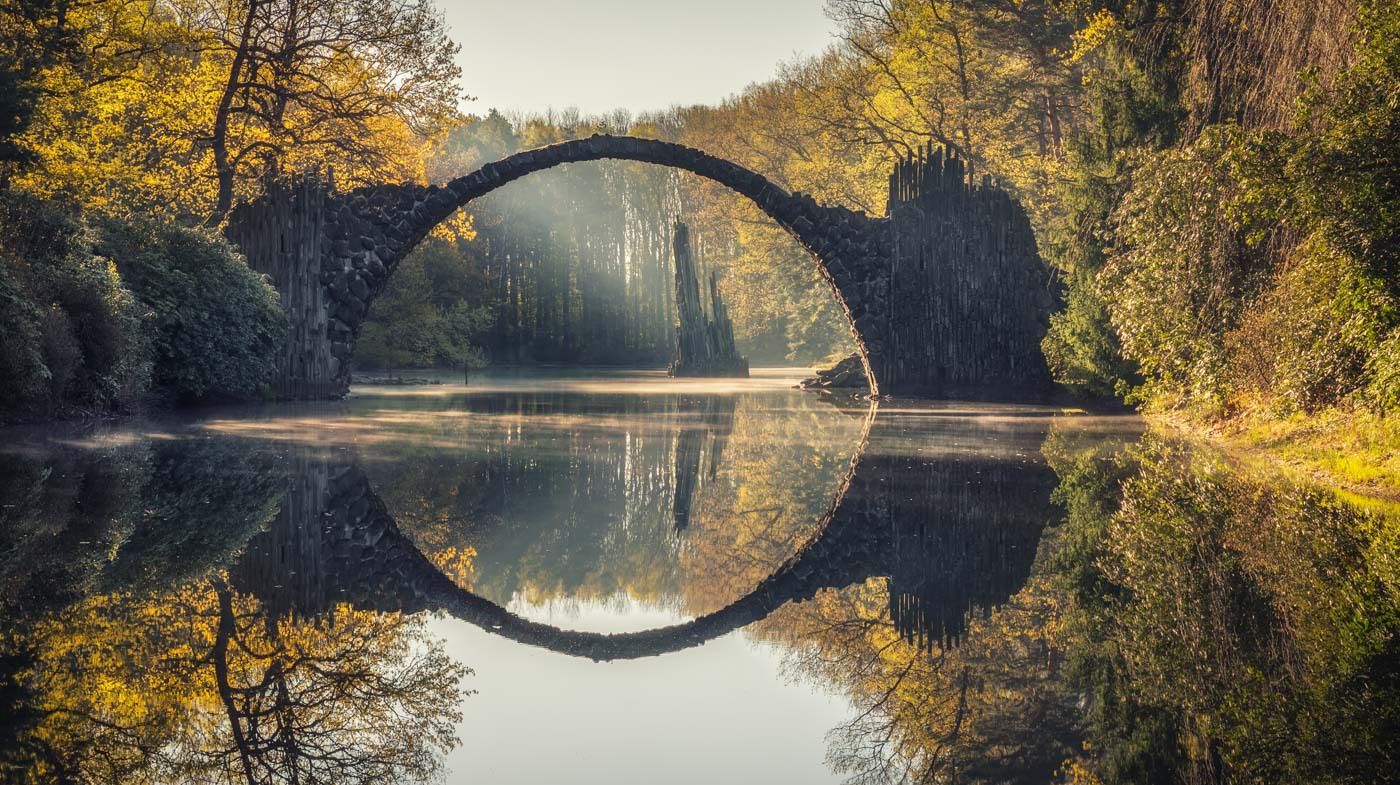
<point>600,55</point>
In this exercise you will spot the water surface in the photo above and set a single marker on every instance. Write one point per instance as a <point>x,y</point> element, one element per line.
<point>570,576</point>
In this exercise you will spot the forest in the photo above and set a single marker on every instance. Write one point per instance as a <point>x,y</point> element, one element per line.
<point>1213,182</point>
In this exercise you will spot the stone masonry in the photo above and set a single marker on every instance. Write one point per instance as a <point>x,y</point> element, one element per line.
<point>331,253</point>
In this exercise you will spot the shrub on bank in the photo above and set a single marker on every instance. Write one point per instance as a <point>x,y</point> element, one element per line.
<point>91,317</point>
<point>74,338</point>
<point>218,325</point>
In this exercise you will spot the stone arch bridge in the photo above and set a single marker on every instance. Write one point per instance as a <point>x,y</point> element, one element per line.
<point>945,294</point>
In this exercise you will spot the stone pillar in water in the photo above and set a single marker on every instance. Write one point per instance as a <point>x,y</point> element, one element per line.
<point>704,337</point>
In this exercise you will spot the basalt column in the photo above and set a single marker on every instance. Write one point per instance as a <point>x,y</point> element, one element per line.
<point>282,236</point>
<point>969,297</point>
<point>704,335</point>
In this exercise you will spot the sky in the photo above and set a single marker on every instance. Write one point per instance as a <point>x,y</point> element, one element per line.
<point>600,55</point>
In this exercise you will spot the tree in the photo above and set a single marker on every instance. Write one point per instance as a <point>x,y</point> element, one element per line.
<point>309,81</point>
<point>34,34</point>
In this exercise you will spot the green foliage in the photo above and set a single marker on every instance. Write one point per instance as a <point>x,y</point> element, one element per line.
<point>1180,270</point>
<point>1131,108</point>
<point>1081,348</point>
<point>431,313</point>
<point>75,338</point>
<point>1233,283</point>
<point>218,325</point>
<point>1346,172</point>
<point>202,502</point>
<point>1383,372</point>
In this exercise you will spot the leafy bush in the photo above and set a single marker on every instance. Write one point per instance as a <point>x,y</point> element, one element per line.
<point>74,336</point>
<point>219,326</point>
<point>430,314</point>
<point>1303,344</point>
<point>1383,375</point>
<point>1181,269</point>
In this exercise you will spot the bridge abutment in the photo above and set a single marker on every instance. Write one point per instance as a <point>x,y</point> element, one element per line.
<point>282,235</point>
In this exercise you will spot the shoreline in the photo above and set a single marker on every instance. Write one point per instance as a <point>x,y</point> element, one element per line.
<point>1355,453</point>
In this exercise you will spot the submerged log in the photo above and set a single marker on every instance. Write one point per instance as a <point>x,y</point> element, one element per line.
<point>704,341</point>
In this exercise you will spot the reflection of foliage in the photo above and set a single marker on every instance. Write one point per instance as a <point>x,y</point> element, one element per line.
<point>355,700</point>
<point>1235,627</point>
<point>203,501</point>
<point>143,515</point>
<point>778,478</point>
<point>1188,621</point>
<point>459,564</point>
<point>61,517</point>
<point>199,685</point>
<point>990,709</point>
<point>985,704</point>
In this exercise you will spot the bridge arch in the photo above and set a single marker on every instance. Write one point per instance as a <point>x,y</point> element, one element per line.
<point>368,231</point>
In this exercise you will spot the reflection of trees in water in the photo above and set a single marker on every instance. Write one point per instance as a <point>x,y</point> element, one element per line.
<point>351,699</point>
<point>953,531</point>
<point>554,504</point>
<point>1188,622</point>
<point>699,451</point>
<point>771,495</point>
<point>148,669</point>
<point>989,709</point>
<point>199,685</point>
<point>946,651</point>
<point>1233,626</point>
<point>564,495</point>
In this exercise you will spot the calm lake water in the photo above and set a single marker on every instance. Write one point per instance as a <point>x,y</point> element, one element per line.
<point>614,577</point>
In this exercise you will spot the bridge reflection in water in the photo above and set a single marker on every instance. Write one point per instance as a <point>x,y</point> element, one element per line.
<point>953,522</point>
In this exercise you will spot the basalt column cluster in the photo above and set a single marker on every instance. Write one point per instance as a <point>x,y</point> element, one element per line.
<point>704,334</point>
<point>969,297</point>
